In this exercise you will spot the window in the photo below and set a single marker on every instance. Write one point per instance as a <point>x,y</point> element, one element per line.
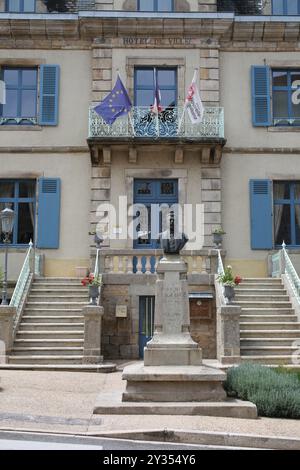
<point>275,96</point>
<point>22,106</point>
<point>286,213</point>
<point>285,7</point>
<point>156,5</point>
<point>145,79</point>
<point>286,97</point>
<point>20,196</point>
<point>21,95</point>
<point>20,6</point>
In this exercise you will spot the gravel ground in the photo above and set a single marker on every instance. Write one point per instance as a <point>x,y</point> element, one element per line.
<point>64,401</point>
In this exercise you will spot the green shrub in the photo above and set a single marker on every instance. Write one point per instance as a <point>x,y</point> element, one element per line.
<point>274,394</point>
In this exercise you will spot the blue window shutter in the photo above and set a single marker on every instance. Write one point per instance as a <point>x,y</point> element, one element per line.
<point>49,93</point>
<point>48,213</point>
<point>261,214</point>
<point>261,99</point>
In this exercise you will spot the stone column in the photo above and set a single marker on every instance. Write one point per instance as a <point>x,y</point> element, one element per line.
<point>92,334</point>
<point>7,315</point>
<point>228,325</point>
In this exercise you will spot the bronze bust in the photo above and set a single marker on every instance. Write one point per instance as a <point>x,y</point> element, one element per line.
<point>169,243</point>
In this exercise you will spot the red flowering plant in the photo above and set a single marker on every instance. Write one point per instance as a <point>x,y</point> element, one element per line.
<point>227,279</point>
<point>91,280</point>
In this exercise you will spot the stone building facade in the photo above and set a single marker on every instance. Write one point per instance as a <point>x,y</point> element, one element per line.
<point>90,43</point>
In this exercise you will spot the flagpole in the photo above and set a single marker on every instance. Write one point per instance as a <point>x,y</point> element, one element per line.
<point>129,114</point>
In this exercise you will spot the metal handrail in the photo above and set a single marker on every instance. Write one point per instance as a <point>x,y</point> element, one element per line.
<point>20,288</point>
<point>291,273</point>
<point>220,268</point>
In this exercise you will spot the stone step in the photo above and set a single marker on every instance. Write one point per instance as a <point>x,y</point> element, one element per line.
<point>47,351</point>
<point>53,298</point>
<point>36,343</point>
<point>259,325</point>
<point>58,280</point>
<point>58,285</point>
<point>50,326</point>
<point>56,305</point>
<point>59,312</point>
<point>54,334</point>
<point>52,319</point>
<point>261,298</point>
<point>267,311</point>
<point>259,291</point>
<point>45,289</point>
<point>263,342</point>
<point>269,360</point>
<point>267,318</point>
<point>59,359</point>
<point>251,286</point>
<point>77,367</point>
<point>268,350</point>
<point>267,304</point>
<point>262,280</point>
<point>267,334</point>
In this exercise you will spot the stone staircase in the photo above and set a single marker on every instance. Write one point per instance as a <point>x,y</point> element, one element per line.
<point>269,325</point>
<point>52,327</point>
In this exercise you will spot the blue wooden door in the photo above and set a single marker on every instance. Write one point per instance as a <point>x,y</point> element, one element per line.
<point>146,322</point>
<point>154,197</point>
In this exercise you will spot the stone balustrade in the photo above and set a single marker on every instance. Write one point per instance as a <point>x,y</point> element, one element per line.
<point>145,261</point>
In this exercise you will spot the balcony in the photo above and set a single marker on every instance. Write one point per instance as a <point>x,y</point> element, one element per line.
<point>143,124</point>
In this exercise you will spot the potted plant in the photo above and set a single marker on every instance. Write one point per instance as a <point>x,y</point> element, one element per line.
<point>93,282</point>
<point>229,282</point>
<point>218,236</point>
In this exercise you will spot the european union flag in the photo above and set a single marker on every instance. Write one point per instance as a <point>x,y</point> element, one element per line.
<point>116,104</point>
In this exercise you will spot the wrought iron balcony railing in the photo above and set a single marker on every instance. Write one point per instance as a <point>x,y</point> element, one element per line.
<point>142,123</point>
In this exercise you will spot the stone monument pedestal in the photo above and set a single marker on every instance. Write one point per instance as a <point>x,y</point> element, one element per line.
<point>172,369</point>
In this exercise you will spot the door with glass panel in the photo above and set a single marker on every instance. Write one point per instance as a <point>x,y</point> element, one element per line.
<point>146,321</point>
<point>286,195</point>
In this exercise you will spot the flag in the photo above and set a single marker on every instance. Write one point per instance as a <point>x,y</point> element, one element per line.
<point>156,108</point>
<point>193,103</point>
<point>116,104</point>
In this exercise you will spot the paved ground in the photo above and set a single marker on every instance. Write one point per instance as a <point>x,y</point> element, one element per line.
<point>64,401</point>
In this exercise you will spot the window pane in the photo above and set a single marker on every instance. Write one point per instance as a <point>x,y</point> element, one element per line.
<point>292,7</point>
<point>297,223</point>
<point>281,190</point>
<point>14,6</point>
<point>168,98</point>
<point>29,78</point>
<point>10,109</point>
<point>11,77</point>
<point>295,77</point>
<point>29,6</point>
<point>28,103</point>
<point>282,220</point>
<point>146,5</point>
<point>4,205</point>
<point>145,78</point>
<point>25,223</point>
<point>27,189</point>
<point>280,104</point>
<point>144,97</point>
<point>166,78</point>
<point>279,78</point>
<point>278,7</point>
<point>297,191</point>
<point>164,5</point>
<point>7,189</point>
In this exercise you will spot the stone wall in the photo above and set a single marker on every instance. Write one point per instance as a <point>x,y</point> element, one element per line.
<point>120,336</point>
